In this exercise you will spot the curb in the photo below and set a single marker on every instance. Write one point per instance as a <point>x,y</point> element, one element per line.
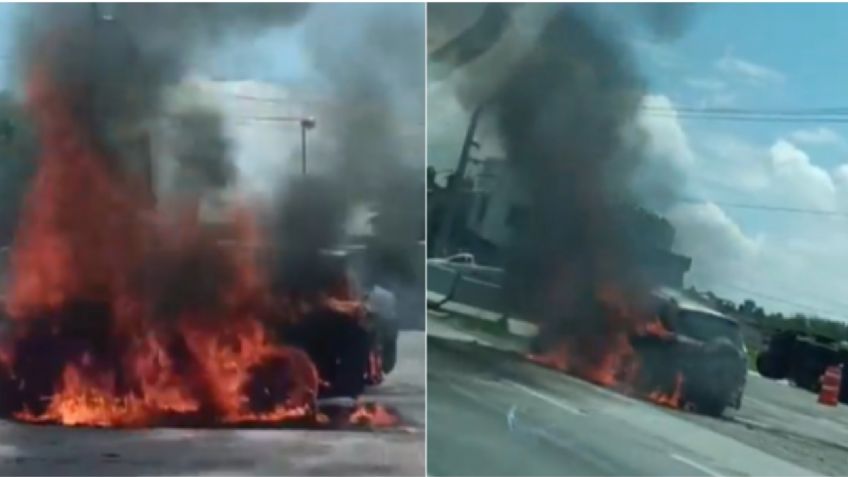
<point>512,326</point>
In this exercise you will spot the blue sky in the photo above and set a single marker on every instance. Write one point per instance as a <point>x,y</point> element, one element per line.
<point>760,56</point>
<point>235,61</point>
<point>275,55</point>
<point>803,44</point>
<point>755,56</point>
<point>8,14</point>
<point>730,55</point>
<point>304,76</point>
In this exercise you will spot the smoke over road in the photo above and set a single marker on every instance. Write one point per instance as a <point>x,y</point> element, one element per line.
<point>374,70</point>
<point>562,94</point>
<point>116,61</point>
<point>127,315</point>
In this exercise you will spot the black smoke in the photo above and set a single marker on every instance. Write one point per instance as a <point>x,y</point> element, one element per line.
<point>373,68</point>
<point>564,104</point>
<point>561,118</point>
<point>308,228</point>
<point>113,62</point>
<point>201,149</point>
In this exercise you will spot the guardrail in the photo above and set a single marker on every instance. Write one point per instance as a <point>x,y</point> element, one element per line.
<point>468,291</point>
<point>464,285</point>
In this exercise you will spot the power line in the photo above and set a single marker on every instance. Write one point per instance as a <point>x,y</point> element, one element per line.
<point>360,105</point>
<point>789,115</point>
<point>762,119</point>
<point>753,111</point>
<point>770,208</point>
<point>819,311</point>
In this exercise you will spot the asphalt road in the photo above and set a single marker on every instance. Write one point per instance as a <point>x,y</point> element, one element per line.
<point>48,450</point>
<point>787,421</point>
<point>493,413</point>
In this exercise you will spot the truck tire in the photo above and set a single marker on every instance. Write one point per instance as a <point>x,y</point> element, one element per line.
<point>710,406</point>
<point>771,365</point>
<point>389,354</point>
<point>713,382</point>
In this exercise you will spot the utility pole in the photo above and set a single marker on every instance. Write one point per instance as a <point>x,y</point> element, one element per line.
<point>453,193</point>
<point>305,123</point>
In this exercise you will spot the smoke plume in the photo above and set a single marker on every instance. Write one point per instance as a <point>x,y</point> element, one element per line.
<point>561,116</point>
<point>564,103</point>
<point>201,151</point>
<point>375,73</point>
<point>373,69</point>
<point>114,61</point>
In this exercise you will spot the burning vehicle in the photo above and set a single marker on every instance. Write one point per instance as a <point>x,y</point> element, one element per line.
<point>688,356</point>
<point>350,354</point>
<point>75,365</point>
<point>126,309</point>
<point>575,212</point>
<point>217,327</point>
<point>698,349</point>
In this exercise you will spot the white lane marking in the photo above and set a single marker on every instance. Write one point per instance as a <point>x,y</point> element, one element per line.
<point>695,465</point>
<point>510,418</point>
<point>470,395</point>
<point>547,399</point>
<point>538,395</point>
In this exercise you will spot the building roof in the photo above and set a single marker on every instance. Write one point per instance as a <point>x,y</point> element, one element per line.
<point>687,303</point>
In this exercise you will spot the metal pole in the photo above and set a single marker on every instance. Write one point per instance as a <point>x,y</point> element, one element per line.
<point>303,146</point>
<point>453,191</point>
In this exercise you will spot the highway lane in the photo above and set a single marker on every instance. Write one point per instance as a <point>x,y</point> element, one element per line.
<point>47,450</point>
<point>493,414</point>
<point>781,419</point>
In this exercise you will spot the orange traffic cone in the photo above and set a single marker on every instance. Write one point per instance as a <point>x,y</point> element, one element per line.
<point>831,381</point>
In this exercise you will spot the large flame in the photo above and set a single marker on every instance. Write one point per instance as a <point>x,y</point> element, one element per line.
<point>673,399</point>
<point>607,357</point>
<point>124,318</point>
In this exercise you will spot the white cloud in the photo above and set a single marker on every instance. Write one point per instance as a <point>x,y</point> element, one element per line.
<point>796,259</point>
<point>797,272</point>
<point>716,92</point>
<point>706,84</point>
<point>779,173</point>
<point>716,244</point>
<point>666,141</point>
<point>817,136</point>
<point>803,183</point>
<point>840,179</point>
<point>748,70</point>
<point>732,163</point>
<point>667,153</point>
<point>660,54</point>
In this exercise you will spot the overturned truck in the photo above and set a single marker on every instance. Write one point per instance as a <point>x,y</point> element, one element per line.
<point>802,359</point>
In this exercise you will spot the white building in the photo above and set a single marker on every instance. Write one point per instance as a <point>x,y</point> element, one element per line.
<point>498,202</point>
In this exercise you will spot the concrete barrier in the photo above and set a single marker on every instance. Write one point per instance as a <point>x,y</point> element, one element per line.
<point>468,292</point>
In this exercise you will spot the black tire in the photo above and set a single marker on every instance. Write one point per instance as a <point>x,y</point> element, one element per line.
<point>768,366</point>
<point>338,346</point>
<point>389,353</point>
<point>712,383</point>
<point>710,406</point>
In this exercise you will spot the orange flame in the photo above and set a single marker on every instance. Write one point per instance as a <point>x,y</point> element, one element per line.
<point>373,415</point>
<point>655,328</point>
<point>673,400</point>
<point>89,234</point>
<point>604,355</point>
